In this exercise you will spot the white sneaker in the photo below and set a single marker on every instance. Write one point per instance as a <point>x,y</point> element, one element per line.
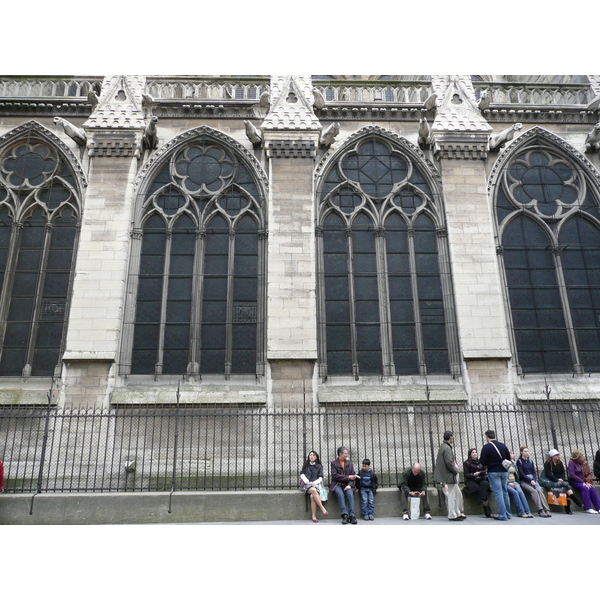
<point>428,516</point>
<point>406,517</point>
<point>591,511</point>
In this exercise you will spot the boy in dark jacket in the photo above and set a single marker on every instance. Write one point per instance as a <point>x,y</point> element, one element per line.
<point>367,486</point>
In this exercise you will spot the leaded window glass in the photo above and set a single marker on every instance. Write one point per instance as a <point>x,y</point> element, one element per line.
<point>379,234</point>
<point>199,285</point>
<point>39,224</point>
<point>548,217</point>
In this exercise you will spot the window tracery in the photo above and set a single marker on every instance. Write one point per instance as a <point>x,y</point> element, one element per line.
<point>548,215</point>
<point>199,290</point>
<point>39,226</point>
<point>382,309</point>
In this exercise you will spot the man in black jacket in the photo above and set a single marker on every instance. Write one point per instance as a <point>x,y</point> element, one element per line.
<point>413,482</point>
<point>342,484</point>
<point>491,456</point>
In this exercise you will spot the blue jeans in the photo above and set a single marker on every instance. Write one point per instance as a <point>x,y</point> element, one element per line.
<point>518,497</point>
<point>367,501</point>
<point>499,483</point>
<point>349,499</point>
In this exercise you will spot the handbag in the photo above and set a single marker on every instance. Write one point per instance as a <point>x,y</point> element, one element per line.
<point>557,497</point>
<point>505,462</point>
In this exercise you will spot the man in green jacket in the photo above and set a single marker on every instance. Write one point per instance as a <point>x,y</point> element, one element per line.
<point>413,483</point>
<point>446,473</point>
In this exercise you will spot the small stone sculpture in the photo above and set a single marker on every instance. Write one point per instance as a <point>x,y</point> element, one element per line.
<point>504,136</point>
<point>594,104</point>
<point>253,134</point>
<point>430,103</point>
<point>93,99</point>
<point>424,132</point>
<point>592,141</point>
<point>147,104</point>
<point>73,132</point>
<point>264,101</point>
<point>319,100</point>
<point>329,134</point>
<point>150,137</point>
<point>484,100</point>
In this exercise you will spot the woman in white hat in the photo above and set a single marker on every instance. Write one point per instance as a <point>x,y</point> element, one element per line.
<point>555,476</point>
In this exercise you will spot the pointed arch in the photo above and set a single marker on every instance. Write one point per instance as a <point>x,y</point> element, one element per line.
<point>41,191</point>
<point>546,198</point>
<point>389,268</point>
<point>196,290</point>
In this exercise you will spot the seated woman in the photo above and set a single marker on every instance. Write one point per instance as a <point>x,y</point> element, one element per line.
<point>529,483</point>
<point>311,476</point>
<point>580,477</point>
<point>597,465</point>
<point>476,480</point>
<point>515,491</point>
<point>555,477</point>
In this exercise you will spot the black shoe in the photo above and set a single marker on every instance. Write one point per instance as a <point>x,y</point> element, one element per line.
<point>344,519</point>
<point>462,517</point>
<point>455,519</point>
<point>353,520</point>
<point>568,510</point>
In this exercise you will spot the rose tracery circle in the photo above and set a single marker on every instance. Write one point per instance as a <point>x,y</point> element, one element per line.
<point>203,169</point>
<point>544,182</point>
<point>28,165</point>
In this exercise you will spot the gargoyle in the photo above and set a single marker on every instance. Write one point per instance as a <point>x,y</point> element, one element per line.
<point>592,141</point>
<point>253,134</point>
<point>329,134</point>
<point>150,137</point>
<point>319,100</point>
<point>504,136</point>
<point>147,104</point>
<point>430,103</point>
<point>484,100</point>
<point>73,132</point>
<point>424,132</point>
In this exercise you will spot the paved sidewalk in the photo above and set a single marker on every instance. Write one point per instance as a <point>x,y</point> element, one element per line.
<point>577,518</point>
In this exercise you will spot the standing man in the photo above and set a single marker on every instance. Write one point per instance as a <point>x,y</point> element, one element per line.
<point>492,455</point>
<point>413,483</point>
<point>446,473</point>
<point>342,484</point>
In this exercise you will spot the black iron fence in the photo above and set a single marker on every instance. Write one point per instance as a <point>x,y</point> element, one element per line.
<point>250,447</point>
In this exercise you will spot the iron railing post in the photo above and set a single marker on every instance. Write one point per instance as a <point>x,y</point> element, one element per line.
<point>44,445</point>
<point>175,446</point>
<point>547,391</point>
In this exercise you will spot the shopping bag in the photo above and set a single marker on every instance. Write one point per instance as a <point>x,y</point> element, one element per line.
<point>557,497</point>
<point>323,492</point>
<point>415,507</point>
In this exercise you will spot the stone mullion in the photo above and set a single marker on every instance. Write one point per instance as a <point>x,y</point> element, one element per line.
<point>416,307</point>
<point>39,292</point>
<point>508,310</point>
<point>562,286</point>
<point>321,309</point>
<point>352,307</point>
<point>196,309</point>
<point>261,305</point>
<point>163,305</point>
<point>9,278</point>
<point>131,301</point>
<point>229,317</point>
<point>387,349</point>
<point>448,302</point>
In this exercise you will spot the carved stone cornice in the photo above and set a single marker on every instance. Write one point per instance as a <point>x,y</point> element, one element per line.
<point>291,148</point>
<point>465,145</point>
<point>45,107</point>
<point>114,143</point>
<point>156,160</point>
<point>51,138</point>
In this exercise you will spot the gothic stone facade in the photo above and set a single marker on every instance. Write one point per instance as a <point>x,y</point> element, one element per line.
<point>285,239</point>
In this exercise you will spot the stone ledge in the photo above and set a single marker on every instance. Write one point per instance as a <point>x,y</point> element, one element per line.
<point>195,507</point>
<point>395,393</point>
<point>201,394</point>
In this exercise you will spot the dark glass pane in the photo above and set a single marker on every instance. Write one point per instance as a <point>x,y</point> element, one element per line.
<point>150,288</point>
<point>215,288</point>
<point>244,336</point>
<point>214,311</point>
<point>213,336</point>
<point>368,337</point>
<point>339,363</point>
<point>56,284</point>
<point>212,361</point>
<point>243,361</point>
<point>178,312</point>
<point>49,334</point>
<point>147,312</point>
<point>437,361</point>
<point>369,363</point>
<point>245,289</point>
<point>407,362</point>
<point>337,312</point>
<point>180,288</point>
<point>143,361</point>
<point>17,335</point>
<point>175,362</point>
<point>145,337</point>
<point>338,337</point>
<point>44,361</point>
<point>367,312</point>
<point>13,361</point>
<point>336,288</point>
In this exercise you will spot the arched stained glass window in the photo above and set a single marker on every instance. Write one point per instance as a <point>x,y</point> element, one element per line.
<point>380,231</point>
<point>548,217</point>
<point>201,251</point>
<point>39,225</point>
